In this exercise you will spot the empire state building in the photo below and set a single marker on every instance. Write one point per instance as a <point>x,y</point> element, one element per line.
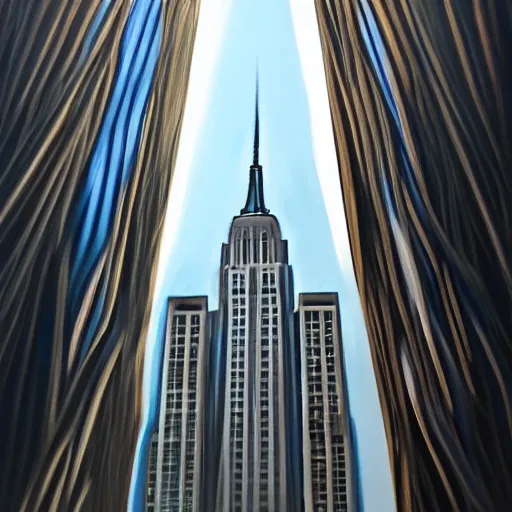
<point>261,385</point>
<point>253,412</point>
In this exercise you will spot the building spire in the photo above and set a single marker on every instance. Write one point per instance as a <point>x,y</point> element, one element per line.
<point>255,201</point>
<point>256,148</point>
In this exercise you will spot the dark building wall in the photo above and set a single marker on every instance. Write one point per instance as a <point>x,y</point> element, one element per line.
<point>72,343</point>
<point>214,404</point>
<point>422,124</point>
<point>293,399</point>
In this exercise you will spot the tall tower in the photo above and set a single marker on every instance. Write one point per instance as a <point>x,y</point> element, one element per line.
<point>260,407</point>
<point>179,451</point>
<point>327,454</point>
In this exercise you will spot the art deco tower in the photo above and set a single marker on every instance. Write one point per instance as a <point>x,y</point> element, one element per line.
<point>236,434</point>
<point>261,394</point>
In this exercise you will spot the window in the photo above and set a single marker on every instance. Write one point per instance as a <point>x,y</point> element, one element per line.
<point>245,257</point>
<point>255,248</point>
<point>264,247</point>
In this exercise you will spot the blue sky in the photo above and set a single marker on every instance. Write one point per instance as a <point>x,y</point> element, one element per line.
<point>261,33</point>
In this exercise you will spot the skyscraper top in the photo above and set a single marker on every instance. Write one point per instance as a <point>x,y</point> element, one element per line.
<point>256,148</point>
<point>255,200</point>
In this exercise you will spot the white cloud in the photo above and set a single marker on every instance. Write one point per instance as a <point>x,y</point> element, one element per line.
<point>211,25</point>
<point>373,461</point>
<point>310,53</point>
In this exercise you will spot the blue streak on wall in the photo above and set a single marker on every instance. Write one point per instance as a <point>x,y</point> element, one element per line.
<point>116,150</point>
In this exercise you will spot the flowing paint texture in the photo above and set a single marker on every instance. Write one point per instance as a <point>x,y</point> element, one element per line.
<point>86,87</point>
<point>422,121</point>
<point>404,103</point>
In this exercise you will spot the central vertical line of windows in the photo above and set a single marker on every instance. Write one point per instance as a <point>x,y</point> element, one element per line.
<point>269,383</point>
<point>237,386</point>
<point>264,390</point>
<point>252,345</point>
<point>253,246</point>
<point>275,381</point>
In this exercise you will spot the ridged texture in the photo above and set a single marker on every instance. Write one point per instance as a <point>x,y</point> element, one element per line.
<point>87,148</point>
<point>421,109</point>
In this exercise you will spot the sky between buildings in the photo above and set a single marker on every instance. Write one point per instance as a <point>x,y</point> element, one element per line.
<point>301,189</point>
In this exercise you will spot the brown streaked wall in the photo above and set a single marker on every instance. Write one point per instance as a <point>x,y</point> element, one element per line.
<point>428,206</point>
<point>70,423</point>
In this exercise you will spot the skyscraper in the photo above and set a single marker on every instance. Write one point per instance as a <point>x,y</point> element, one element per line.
<point>253,431</point>
<point>325,420</point>
<point>179,461</point>
<point>256,293</point>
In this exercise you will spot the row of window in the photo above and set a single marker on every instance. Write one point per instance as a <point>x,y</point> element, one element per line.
<point>251,245</point>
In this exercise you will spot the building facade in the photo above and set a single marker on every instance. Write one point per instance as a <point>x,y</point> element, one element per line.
<point>326,451</point>
<point>179,451</point>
